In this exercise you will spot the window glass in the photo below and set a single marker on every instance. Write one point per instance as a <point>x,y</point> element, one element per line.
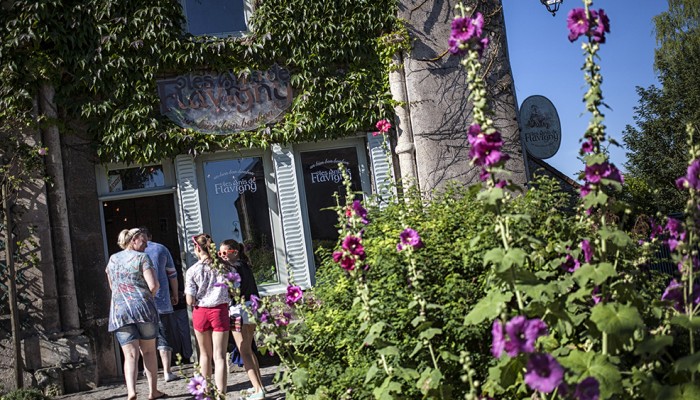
<point>322,178</point>
<point>239,210</point>
<point>215,17</point>
<point>136,178</point>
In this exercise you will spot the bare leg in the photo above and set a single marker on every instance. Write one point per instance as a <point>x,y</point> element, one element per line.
<point>131,359</point>
<point>220,342</point>
<point>150,364</point>
<point>244,341</point>
<point>205,352</point>
<point>165,359</point>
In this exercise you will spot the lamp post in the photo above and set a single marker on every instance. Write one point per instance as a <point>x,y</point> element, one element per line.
<point>552,5</point>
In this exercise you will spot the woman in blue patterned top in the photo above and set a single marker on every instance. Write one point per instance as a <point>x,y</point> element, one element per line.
<point>132,315</point>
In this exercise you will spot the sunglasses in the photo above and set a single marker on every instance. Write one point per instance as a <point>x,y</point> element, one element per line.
<point>223,253</point>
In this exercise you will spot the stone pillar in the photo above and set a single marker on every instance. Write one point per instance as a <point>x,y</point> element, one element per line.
<point>437,93</point>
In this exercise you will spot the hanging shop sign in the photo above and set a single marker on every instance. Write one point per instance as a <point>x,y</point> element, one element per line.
<point>226,102</point>
<point>540,127</point>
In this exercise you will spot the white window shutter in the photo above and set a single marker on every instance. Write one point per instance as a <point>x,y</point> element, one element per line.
<point>188,193</point>
<point>382,170</point>
<point>297,262</point>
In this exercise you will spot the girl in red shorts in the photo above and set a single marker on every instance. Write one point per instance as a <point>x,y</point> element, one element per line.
<point>206,292</point>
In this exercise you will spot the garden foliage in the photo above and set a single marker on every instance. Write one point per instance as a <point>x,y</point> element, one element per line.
<point>486,292</point>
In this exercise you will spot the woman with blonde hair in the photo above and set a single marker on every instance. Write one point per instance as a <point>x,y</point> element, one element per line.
<point>206,291</point>
<point>132,315</point>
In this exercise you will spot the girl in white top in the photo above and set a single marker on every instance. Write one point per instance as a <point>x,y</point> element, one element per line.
<point>206,292</point>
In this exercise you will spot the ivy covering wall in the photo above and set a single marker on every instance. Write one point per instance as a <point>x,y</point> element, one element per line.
<point>104,56</point>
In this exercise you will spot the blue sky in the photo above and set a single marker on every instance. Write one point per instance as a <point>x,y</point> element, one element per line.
<point>545,63</point>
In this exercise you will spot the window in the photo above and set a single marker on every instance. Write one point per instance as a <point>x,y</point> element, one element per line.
<point>135,178</point>
<point>237,201</point>
<point>220,18</point>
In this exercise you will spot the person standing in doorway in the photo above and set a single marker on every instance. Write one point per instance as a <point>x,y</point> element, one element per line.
<point>206,291</point>
<point>166,297</point>
<point>243,324</point>
<point>133,316</point>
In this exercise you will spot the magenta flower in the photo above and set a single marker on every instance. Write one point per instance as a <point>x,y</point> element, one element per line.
<point>692,178</point>
<point>353,244</point>
<point>587,146</point>
<point>347,263</point>
<point>42,151</point>
<point>585,189</point>
<point>675,233</point>
<point>467,35</point>
<point>284,319</point>
<point>602,26</point>
<point>570,264</point>
<point>543,373</point>
<point>674,294</point>
<point>587,389</point>
<point>360,211</point>
<point>522,336</point>
<point>485,150</point>
<point>294,294</point>
<point>265,316</point>
<point>254,303</point>
<point>577,22</point>
<point>595,295</point>
<point>233,277</point>
<point>587,250</point>
<point>383,125</point>
<point>337,256</point>
<point>498,342</point>
<point>197,385</point>
<point>409,237</point>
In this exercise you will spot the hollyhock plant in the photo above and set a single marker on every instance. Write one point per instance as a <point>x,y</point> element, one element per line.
<point>485,149</point>
<point>254,303</point>
<point>602,26</point>
<point>283,319</point>
<point>587,250</point>
<point>294,294</point>
<point>587,146</point>
<point>360,211</point>
<point>409,238</point>
<point>544,373</point>
<point>353,244</point>
<point>522,335</point>
<point>577,23</point>
<point>197,385</point>
<point>587,389</point>
<point>692,178</point>
<point>498,341</point>
<point>383,125</point>
<point>570,264</point>
<point>467,35</point>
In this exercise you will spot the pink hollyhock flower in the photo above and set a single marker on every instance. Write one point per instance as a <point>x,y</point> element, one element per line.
<point>294,294</point>
<point>577,22</point>
<point>197,385</point>
<point>543,373</point>
<point>409,237</point>
<point>602,26</point>
<point>587,250</point>
<point>498,341</point>
<point>42,151</point>
<point>353,244</point>
<point>587,146</point>
<point>587,389</point>
<point>570,264</point>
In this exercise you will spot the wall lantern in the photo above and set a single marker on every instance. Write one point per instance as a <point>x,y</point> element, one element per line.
<point>552,5</point>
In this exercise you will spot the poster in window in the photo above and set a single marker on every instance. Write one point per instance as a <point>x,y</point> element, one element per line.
<point>239,210</point>
<point>322,178</point>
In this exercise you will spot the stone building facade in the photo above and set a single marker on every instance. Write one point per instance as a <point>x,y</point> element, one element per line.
<point>271,194</point>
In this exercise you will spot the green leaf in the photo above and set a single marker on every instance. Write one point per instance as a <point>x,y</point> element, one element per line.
<point>598,366</point>
<point>687,363</point>
<point>598,273</point>
<point>515,256</point>
<point>371,373</point>
<point>488,307</point>
<point>616,318</point>
<point>300,377</point>
<point>685,321</point>
<point>654,345</point>
<point>688,391</point>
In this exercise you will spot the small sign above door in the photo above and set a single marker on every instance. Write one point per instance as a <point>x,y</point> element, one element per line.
<point>226,103</point>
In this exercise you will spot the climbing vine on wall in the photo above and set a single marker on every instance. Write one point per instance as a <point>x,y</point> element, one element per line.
<point>104,56</point>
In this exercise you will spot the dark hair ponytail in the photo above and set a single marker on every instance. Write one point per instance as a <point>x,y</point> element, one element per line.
<point>232,244</point>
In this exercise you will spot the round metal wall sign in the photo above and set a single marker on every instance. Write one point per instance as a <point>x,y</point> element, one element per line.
<point>540,127</point>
